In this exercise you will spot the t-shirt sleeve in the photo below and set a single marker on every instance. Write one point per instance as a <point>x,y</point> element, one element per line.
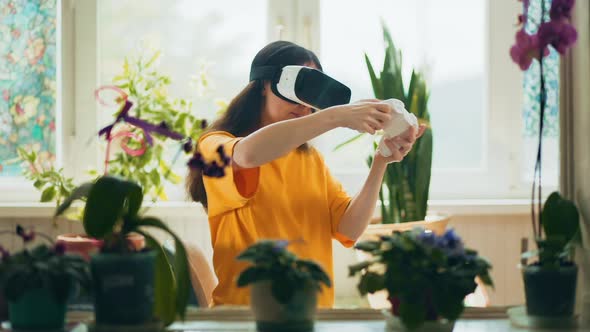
<point>233,190</point>
<point>338,201</point>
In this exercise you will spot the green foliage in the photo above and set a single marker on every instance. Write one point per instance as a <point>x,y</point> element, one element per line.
<point>404,192</point>
<point>560,220</point>
<point>148,88</point>
<point>43,267</point>
<point>421,270</point>
<point>111,213</point>
<point>52,183</point>
<point>271,261</point>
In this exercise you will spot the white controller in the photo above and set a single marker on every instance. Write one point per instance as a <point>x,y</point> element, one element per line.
<point>400,121</point>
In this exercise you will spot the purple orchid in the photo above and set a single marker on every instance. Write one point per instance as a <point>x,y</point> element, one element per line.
<point>561,9</point>
<point>559,34</point>
<point>526,49</point>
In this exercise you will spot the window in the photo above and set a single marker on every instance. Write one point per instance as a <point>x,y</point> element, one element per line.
<point>483,142</point>
<point>28,81</point>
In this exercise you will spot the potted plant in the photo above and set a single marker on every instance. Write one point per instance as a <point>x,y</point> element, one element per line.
<point>283,288</point>
<point>404,192</point>
<point>552,277</point>
<point>550,281</point>
<point>130,285</point>
<point>38,282</point>
<point>426,276</point>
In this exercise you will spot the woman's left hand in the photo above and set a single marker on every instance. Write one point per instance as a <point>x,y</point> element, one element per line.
<point>401,145</point>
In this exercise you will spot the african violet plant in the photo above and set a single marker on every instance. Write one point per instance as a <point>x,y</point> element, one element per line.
<point>44,266</point>
<point>426,276</point>
<point>271,261</point>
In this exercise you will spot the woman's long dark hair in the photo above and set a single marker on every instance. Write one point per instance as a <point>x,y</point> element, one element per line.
<point>244,113</point>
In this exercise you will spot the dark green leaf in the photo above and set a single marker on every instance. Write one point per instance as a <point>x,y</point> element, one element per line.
<point>78,193</point>
<point>253,274</point>
<point>165,290</point>
<point>181,272</point>
<point>371,282</point>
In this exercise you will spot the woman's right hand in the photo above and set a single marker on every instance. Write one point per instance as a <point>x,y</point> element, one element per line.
<point>364,116</point>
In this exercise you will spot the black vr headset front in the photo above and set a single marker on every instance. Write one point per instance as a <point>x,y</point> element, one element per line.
<point>303,85</point>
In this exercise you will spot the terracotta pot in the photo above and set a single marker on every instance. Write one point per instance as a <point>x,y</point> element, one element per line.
<point>80,244</point>
<point>87,246</point>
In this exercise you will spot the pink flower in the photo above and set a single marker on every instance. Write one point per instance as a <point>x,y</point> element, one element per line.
<point>525,49</point>
<point>5,95</point>
<point>559,34</point>
<point>561,9</point>
<point>52,125</point>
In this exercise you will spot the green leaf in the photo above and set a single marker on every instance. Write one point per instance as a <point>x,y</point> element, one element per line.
<point>371,282</point>
<point>180,264</point>
<point>108,201</point>
<point>423,167</point>
<point>39,183</point>
<point>165,287</point>
<point>377,87</point>
<point>356,137</point>
<point>48,194</point>
<point>355,268</point>
<point>253,274</point>
<point>560,217</point>
<point>78,193</point>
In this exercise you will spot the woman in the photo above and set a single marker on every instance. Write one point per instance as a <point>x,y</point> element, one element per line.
<point>278,187</point>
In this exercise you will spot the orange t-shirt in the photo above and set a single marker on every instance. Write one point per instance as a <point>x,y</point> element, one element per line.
<point>293,197</point>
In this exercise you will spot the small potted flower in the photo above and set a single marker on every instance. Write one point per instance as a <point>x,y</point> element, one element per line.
<point>550,281</point>
<point>38,282</point>
<point>426,276</point>
<point>283,291</point>
<point>131,286</point>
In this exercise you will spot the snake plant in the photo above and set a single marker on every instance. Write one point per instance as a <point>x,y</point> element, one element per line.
<point>404,191</point>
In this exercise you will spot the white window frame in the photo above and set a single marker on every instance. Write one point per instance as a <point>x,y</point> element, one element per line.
<point>499,176</point>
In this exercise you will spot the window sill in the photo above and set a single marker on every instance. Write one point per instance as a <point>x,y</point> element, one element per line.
<point>46,210</point>
<point>185,209</point>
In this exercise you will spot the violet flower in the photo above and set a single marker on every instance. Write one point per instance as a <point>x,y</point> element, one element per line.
<point>59,248</point>
<point>204,124</point>
<point>5,253</point>
<point>27,237</point>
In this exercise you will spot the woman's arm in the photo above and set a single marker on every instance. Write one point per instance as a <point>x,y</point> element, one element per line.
<point>276,140</point>
<point>361,208</point>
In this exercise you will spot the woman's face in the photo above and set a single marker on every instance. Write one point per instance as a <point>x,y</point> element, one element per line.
<point>276,109</point>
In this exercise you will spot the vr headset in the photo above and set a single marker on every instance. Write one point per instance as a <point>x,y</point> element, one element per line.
<point>303,85</point>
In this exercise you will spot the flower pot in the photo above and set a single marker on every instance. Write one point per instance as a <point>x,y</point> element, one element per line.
<point>87,246</point>
<point>123,287</point>
<point>3,307</point>
<point>80,244</point>
<point>37,309</point>
<point>296,316</point>
<point>435,223</point>
<point>550,292</point>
